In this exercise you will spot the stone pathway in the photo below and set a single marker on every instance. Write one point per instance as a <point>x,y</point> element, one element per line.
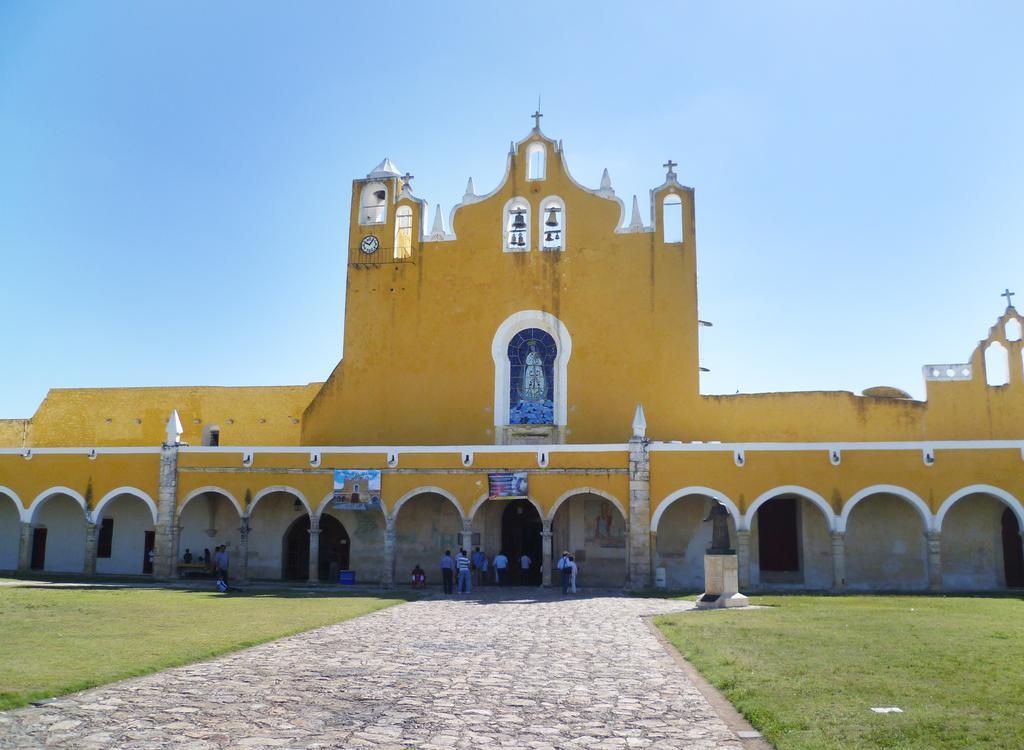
<point>527,670</point>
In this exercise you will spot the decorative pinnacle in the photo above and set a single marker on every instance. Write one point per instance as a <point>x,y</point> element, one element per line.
<point>437,231</point>
<point>174,429</point>
<point>606,180</point>
<point>635,222</point>
<point>470,190</point>
<point>639,422</point>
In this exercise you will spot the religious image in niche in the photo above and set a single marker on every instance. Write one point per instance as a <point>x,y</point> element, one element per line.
<point>531,356</point>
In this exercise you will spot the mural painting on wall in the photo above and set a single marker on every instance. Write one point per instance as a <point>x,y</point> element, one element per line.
<point>356,489</point>
<point>604,524</point>
<point>508,485</point>
<point>531,357</point>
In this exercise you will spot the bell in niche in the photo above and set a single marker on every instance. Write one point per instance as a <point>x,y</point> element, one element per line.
<point>548,237</point>
<point>519,223</point>
<point>520,242</point>
<point>552,220</point>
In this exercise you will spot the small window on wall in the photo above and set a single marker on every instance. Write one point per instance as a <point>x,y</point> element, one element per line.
<point>373,204</point>
<point>403,232</point>
<point>552,229</point>
<point>517,225</point>
<point>535,161</point>
<point>211,435</point>
<point>672,218</point>
<point>105,539</point>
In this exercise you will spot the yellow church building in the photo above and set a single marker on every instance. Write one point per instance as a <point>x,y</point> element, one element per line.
<point>482,400</point>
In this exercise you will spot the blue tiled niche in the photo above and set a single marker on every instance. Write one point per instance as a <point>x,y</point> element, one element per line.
<point>531,357</point>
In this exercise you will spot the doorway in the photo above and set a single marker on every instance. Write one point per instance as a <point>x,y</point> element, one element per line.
<point>334,550</point>
<point>38,549</point>
<point>1013,554</point>
<point>521,534</point>
<point>147,549</point>
<point>778,536</point>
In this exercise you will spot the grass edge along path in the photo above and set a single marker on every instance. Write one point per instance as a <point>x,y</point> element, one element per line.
<point>806,670</point>
<point>57,640</point>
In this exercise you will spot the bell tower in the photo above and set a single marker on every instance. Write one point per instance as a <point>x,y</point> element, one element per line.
<point>372,216</point>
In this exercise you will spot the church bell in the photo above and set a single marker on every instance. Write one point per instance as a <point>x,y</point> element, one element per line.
<point>519,223</point>
<point>552,218</point>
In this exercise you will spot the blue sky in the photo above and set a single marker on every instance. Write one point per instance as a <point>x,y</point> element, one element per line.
<point>174,177</point>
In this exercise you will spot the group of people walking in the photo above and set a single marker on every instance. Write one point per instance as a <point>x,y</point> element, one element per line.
<point>463,571</point>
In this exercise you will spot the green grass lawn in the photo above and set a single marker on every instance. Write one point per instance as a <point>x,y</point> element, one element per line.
<point>59,640</point>
<point>807,669</point>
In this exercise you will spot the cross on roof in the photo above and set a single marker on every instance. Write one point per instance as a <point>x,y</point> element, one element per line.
<point>536,118</point>
<point>406,179</point>
<point>1008,294</point>
<point>670,165</point>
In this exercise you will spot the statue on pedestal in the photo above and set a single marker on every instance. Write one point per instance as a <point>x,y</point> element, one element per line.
<point>719,517</point>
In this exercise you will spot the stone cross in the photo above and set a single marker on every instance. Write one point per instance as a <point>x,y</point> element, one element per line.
<point>536,118</point>
<point>406,179</point>
<point>1008,294</point>
<point>669,165</point>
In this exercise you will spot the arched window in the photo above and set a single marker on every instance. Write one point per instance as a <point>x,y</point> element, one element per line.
<point>672,218</point>
<point>517,226</point>
<point>535,156</point>
<point>997,365</point>
<point>531,358</point>
<point>403,232</point>
<point>552,225</point>
<point>211,435</point>
<point>373,203</point>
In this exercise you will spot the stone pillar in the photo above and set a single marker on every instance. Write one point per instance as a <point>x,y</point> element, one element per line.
<point>545,555</point>
<point>90,549</point>
<point>243,549</point>
<point>165,553</point>
<point>743,558</point>
<point>639,521</point>
<point>934,560</point>
<point>314,549</point>
<point>388,574</point>
<point>25,548</point>
<point>838,560</point>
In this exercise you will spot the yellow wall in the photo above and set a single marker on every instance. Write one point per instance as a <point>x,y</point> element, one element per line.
<point>29,478</point>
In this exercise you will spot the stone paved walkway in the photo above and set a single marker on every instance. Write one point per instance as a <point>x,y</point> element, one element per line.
<point>475,673</point>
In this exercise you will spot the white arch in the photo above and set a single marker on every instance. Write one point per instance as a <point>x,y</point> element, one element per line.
<point>586,491</point>
<point>423,491</point>
<point>217,490</point>
<point>45,495</point>
<point>21,509</point>
<point>97,513</point>
<point>666,501</point>
<point>484,498</point>
<point>980,489</point>
<point>512,325</point>
<point>279,488</point>
<point>791,489</point>
<point>889,489</point>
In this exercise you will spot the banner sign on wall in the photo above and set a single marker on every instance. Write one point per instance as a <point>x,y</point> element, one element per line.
<point>356,489</point>
<point>506,485</point>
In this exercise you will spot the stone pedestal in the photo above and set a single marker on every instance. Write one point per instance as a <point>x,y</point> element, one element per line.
<point>314,551</point>
<point>25,547</point>
<point>89,568</point>
<point>546,556</point>
<point>721,583</point>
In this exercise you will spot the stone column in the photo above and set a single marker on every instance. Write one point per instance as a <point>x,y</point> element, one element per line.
<point>743,558</point>
<point>388,574</point>
<point>25,548</point>
<point>639,521</point>
<point>243,549</point>
<point>546,556</point>
<point>838,560</point>
<point>314,549</point>
<point>90,549</point>
<point>165,554</point>
<point>934,560</point>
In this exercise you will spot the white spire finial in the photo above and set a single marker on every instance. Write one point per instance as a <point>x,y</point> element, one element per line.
<point>639,422</point>
<point>606,185</point>
<point>470,190</point>
<point>437,231</point>
<point>174,429</point>
<point>635,222</point>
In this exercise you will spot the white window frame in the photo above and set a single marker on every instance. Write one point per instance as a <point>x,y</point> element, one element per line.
<point>512,325</point>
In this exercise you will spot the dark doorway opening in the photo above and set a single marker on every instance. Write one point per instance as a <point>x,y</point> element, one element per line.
<point>147,549</point>
<point>38,549</point>
<point>520,533</point>
<point>334,550</point>
<point>778,536</point>
<point>1013,551</point>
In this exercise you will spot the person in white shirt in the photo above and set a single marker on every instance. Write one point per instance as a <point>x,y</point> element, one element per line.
<point>565,566</point>
<point>524,569</point>
<point>500,566</point>
<point>572,577</point>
